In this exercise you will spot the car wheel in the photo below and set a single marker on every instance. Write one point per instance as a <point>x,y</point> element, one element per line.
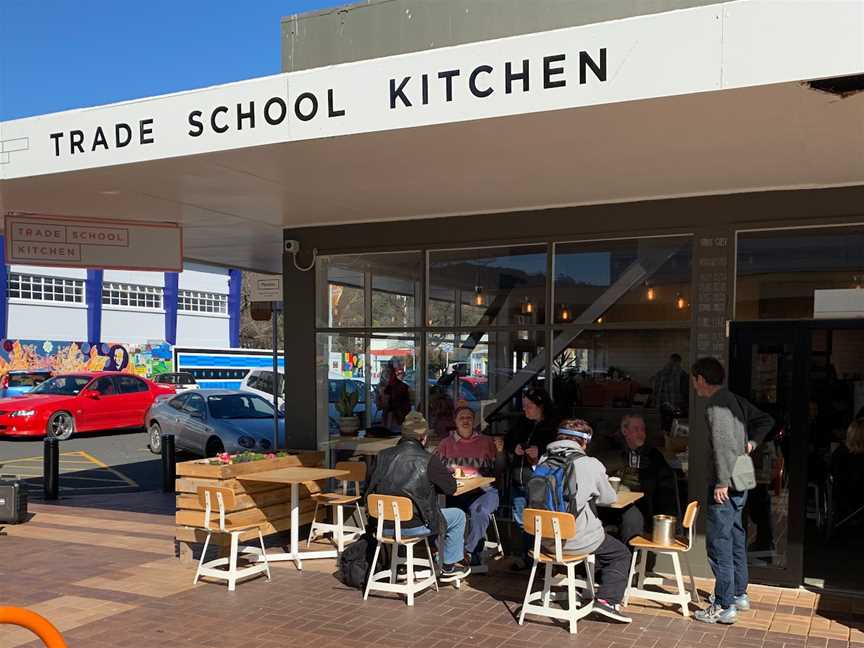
<point>214,447</point>
<point>61,426</point>
<point>154,436</point>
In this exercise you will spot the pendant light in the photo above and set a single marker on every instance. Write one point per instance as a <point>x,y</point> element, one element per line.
<point>565,313</point>
<point>527,306</point>
<point>650,293</point>
<point>479,297</point>
<point>680,302</point>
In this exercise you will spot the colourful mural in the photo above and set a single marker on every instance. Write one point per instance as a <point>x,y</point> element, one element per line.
<point>63,357</point>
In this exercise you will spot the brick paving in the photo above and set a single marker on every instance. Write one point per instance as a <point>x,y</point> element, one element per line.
<point>106,576</point>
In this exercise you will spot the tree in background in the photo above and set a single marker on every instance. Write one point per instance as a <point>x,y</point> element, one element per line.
<point>255,335</point>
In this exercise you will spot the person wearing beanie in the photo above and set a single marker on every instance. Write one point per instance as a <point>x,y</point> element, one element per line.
<point>588,487</point>
<point>408,470</point>
<point>473,454</point>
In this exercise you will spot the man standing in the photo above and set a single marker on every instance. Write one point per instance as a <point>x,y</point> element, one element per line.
<point>408,470</point>
<point>735,427</point>
<point>670,391</point>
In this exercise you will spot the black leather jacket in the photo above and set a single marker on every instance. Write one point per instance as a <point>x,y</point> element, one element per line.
<point>403,470</point>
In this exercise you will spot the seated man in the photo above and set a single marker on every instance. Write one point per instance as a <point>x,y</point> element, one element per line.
<point>642,468</point>
<point>587,487</point>
<point>473,453</point>
<point>408,470</point>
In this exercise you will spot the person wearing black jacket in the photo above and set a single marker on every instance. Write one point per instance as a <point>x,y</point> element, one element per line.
<point>644,469</point>
<point>408,470</point>
<point>524,444</point>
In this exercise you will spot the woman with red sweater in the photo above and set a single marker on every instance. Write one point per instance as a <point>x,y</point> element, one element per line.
<point>474,454</point>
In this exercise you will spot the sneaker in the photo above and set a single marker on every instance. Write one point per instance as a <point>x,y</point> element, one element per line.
<point>610,610</point>
<point>715,614</point>
<point>453,572</point>
<point>741,603</point>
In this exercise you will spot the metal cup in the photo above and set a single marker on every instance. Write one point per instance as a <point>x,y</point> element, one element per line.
<point>664,530</point>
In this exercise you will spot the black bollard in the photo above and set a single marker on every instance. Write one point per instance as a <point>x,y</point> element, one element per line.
<point>169,467</point>
<point>51,469</point>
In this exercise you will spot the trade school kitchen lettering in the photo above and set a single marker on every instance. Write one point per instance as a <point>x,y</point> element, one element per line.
<point>483,80</point>
<point>554,71</point>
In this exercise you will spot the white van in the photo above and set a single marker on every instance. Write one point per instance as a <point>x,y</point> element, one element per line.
<point>260,381</point>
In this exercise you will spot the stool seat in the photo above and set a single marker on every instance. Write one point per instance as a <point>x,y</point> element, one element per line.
<point>332,499</point>
<point>641,542</point>
<point>549,557</point>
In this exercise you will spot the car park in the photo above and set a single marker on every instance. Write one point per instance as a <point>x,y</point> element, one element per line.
<point>180,380</point>
<point>207,422</point>
<point>21,381</point>
<point>79,403</point>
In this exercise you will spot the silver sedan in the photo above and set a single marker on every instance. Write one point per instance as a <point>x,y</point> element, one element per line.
<point>207,422</point>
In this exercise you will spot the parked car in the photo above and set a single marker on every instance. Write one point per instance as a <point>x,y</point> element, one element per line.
<point>181,380</point>
<point>78,403</point>
<point>260,382</point>
<point>208,422</point>
<point>21,381</point>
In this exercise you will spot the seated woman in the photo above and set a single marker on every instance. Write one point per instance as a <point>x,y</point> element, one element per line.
<point>847,470</point>
<point>474,454</point>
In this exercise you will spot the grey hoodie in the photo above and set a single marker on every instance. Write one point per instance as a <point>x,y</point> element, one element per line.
<point>589,482</point>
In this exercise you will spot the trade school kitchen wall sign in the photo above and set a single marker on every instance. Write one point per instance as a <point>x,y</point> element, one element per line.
<point>694,50</point>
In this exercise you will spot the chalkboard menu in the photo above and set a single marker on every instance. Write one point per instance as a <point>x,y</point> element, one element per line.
<point>712,295</point>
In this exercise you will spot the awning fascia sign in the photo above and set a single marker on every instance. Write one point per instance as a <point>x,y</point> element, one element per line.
<point>702,49</point>
<point>33,239</point>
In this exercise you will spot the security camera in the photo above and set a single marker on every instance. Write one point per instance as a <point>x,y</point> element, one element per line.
<point>292,247</point>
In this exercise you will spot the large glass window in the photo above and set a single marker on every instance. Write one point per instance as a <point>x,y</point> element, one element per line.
<point>633,280</point>
<point>602,376</point>
<point>363,290</point>
<point>780,274</point>
<point>394,372</point>
<point>495,286</point>
<point>341,381</point>
<point>478,368</point>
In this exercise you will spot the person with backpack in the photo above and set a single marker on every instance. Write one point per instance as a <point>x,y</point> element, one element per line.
<point>735,428</point>
<point>566,479</point>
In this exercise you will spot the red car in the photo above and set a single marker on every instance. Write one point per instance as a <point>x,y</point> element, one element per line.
<point>80,402</point>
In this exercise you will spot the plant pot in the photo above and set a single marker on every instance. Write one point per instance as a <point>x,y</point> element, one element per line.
<point>349,425</point>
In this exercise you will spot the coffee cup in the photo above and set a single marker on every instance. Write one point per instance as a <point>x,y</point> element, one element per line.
<point>458,473</point>
<point>615,483</point>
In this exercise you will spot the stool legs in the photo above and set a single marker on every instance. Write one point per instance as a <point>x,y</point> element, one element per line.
<point>372,572</point>
<point>203,558</point>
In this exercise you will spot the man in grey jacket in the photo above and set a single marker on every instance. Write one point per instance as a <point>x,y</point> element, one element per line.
<point>735,428</point>
<point>588,486</point>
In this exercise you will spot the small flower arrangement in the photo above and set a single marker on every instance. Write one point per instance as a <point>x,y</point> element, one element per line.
<point>225,459</point>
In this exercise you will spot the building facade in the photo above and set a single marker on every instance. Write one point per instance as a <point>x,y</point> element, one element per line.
<point>191,308</point>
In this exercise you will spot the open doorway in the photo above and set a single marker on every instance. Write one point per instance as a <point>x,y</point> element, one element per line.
<point>806,515</point>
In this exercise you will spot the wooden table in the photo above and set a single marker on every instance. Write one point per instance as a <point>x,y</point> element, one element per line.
<point>625,499</point>
<point>468,484</point>
<point>295,477</point>
<point>364,446</point>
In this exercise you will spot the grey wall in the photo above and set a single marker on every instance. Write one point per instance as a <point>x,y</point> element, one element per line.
<point>379,28</point>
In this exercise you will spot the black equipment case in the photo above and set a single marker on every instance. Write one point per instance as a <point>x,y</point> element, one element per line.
<point>13,502</point>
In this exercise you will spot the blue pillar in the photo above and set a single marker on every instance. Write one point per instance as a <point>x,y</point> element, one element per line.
<point>172,282</point>
<point>4,290</point>
<point>93,295</point>
<point>235,282</point>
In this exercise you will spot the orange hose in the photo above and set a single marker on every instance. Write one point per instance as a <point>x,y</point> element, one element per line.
<point>37,624</point>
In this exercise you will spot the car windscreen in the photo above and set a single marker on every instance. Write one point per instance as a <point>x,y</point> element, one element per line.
<point>26,379</point>
<point>185,379</point>
<point>239,406</point>
<point>65,385</point>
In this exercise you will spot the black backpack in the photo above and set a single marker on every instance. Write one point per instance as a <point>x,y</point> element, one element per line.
<point>356,561</point>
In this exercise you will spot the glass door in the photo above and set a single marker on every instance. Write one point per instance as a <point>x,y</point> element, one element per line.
<point>768,365</point>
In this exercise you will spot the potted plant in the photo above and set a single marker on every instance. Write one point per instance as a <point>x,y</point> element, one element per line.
<point>349,424</point>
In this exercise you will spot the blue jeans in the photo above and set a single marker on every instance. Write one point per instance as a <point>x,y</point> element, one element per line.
<point>479,506</point>
<point>726,543</point>
<point>454,539</point>
<point>519,498</point>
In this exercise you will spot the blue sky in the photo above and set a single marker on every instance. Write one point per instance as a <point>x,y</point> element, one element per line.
<point>62,54</point>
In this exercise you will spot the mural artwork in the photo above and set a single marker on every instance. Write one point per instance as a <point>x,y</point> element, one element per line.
<point>64,357</point>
